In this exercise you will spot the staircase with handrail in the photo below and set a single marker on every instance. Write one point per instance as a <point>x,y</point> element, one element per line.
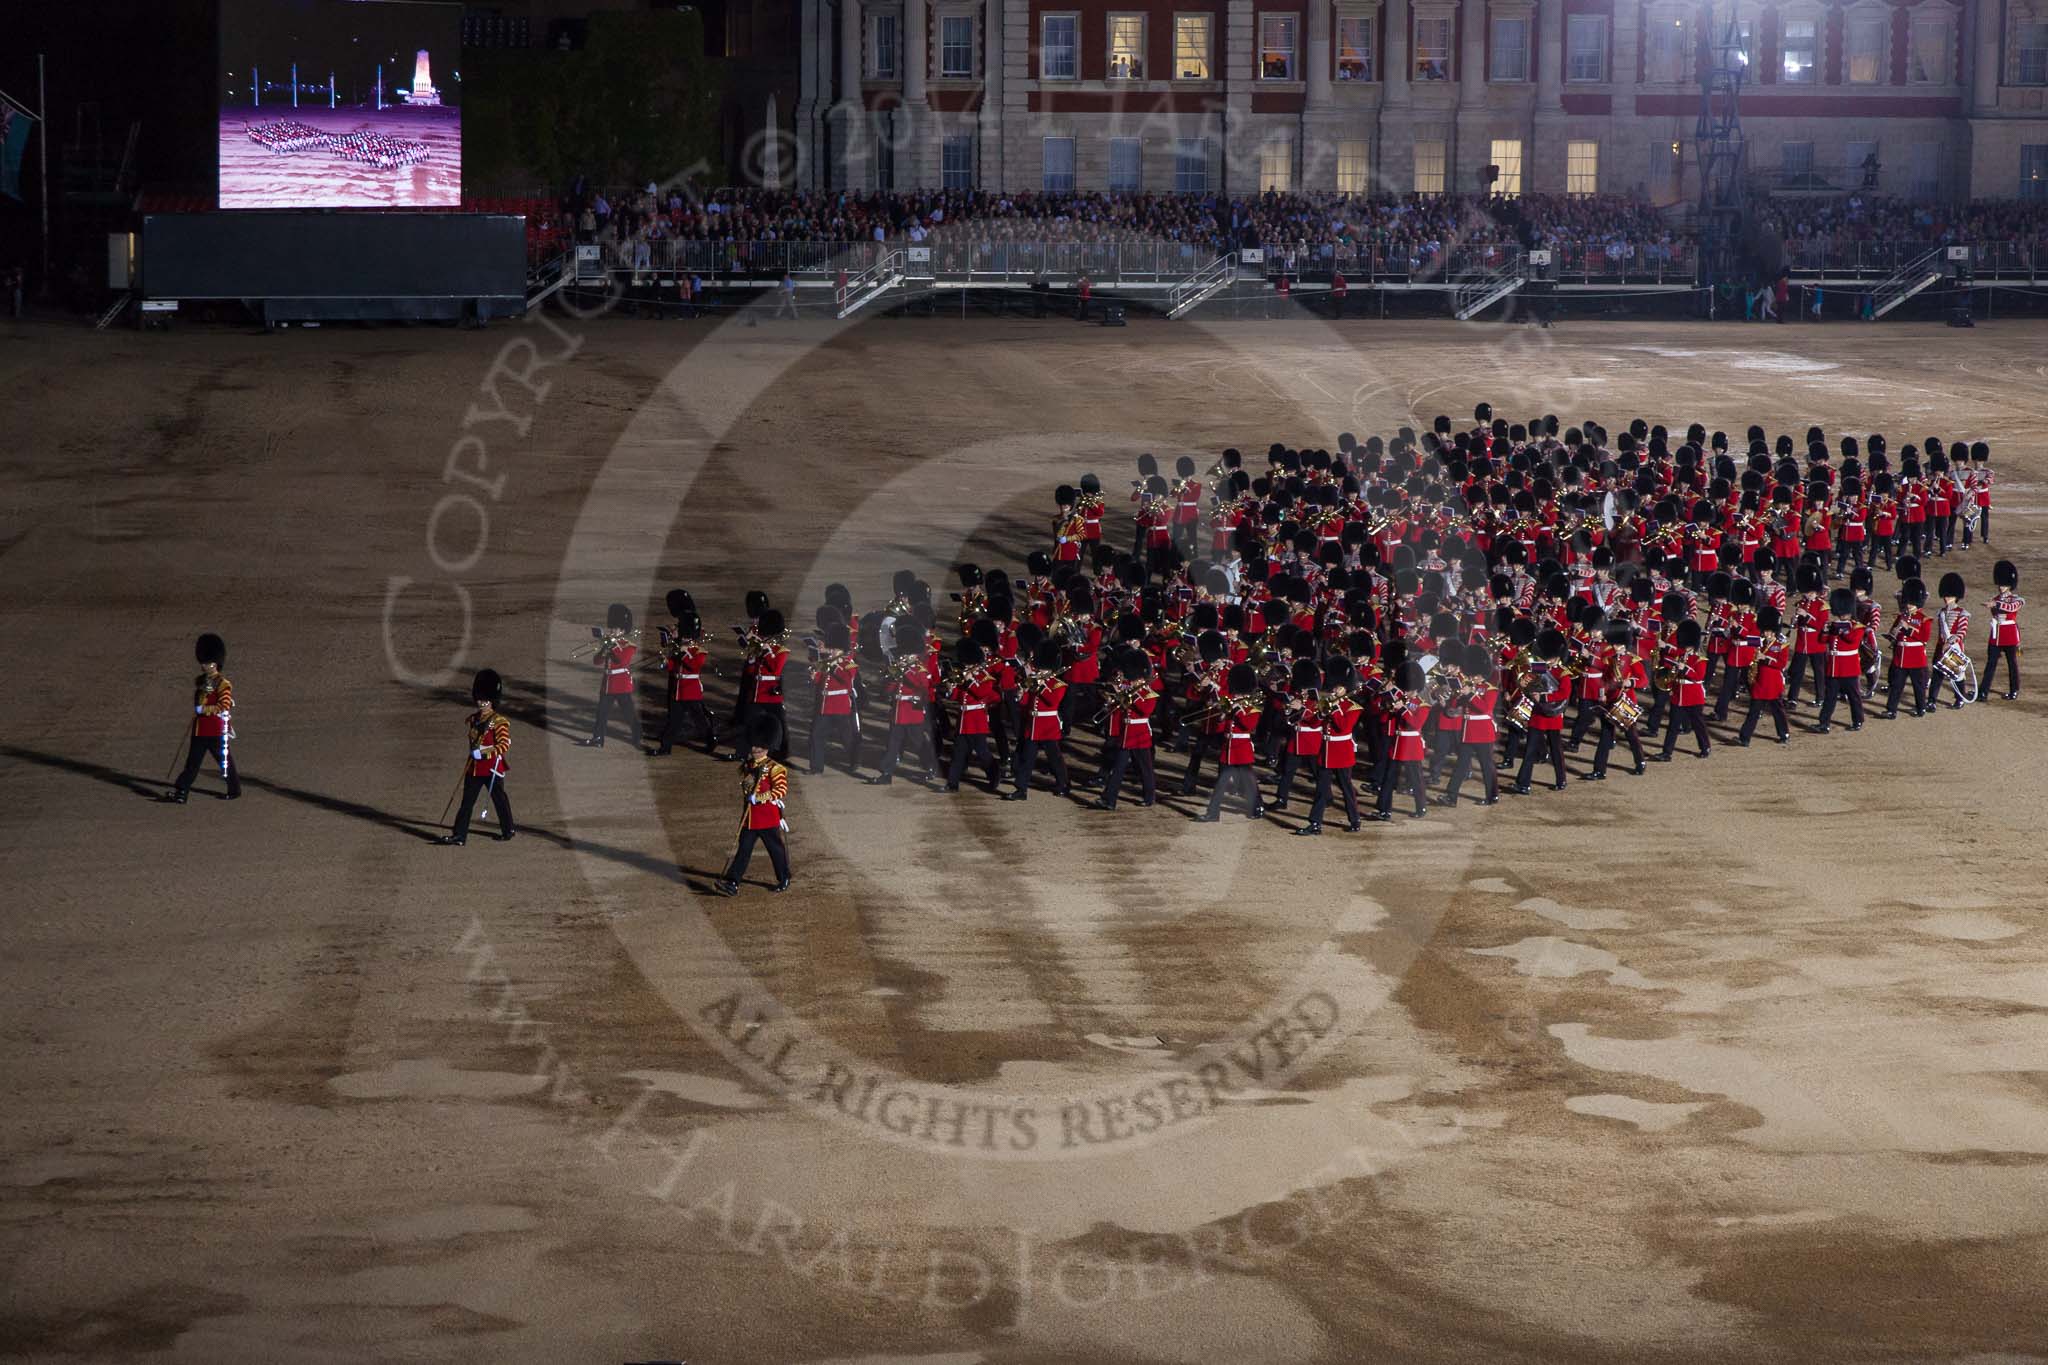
<point>1905,282</point>
<point>1476,293</point>
<point>1201,286</point>
<point>877,280</point>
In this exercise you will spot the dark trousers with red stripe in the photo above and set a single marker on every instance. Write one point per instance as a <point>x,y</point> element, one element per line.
<point>1148,782</point>
<point>975,747</point>
<point>1470,752</point>
<point>1689,717</point>
<point>682,714</point>
<point>1236,777</point>
<point>1542,742</point>
<point>778,855</point>
<point>625,702</point>
<point>216,747</point>
<point>473,787</point>
<point>2011,655</point>
<point>1339,778</point>
<point>1403,773</point>
<point>1027,765</point>
<point>907,737</point>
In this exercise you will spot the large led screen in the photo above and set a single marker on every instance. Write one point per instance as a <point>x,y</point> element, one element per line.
<point>340,104</point>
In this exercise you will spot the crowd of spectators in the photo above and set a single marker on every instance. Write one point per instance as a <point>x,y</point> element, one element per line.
<point>1397,233</point>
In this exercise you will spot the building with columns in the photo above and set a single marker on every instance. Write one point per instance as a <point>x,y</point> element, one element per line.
<point>1563,96</point>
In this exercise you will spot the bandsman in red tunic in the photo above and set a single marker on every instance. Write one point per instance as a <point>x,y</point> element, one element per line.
<point>1132,701</point>
<point>975,691</point>
<point>1044,688</point>
<point>766,660</point>
<point>1952,639</point>
<point>835,673</point>
<point>1408,716</point>
<point>1844,661</point>
<point>1766,677</point>
<point>614,657</point>
<point>490,740</point>
<point>686,662</point>
<point>1481,730</point>
<point>764,819</point>
<point>1684,666</point>
<point>908,694</point>
<point>1810,621</point>
<point>1625,678</point>
<point>1741,628</point>
<point>2004,609</point>
<point>1303,719</point>
<point>1910,638</point>
<point>213,721</point>
<point>1339,715</point>
<point>1239,708</point>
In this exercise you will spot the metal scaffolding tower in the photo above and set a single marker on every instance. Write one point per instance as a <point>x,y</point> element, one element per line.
<point>1721,154</point>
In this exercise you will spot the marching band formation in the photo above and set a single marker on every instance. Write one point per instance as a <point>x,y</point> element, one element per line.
<point>1373,625</point>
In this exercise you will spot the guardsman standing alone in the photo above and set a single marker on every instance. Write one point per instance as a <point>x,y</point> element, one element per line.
<point>2005,607</point>
<point>765,785</point>
<point>213,721</point>
<point>490,739</point>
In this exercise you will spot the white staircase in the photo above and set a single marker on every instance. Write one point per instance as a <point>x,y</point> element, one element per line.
<point>559,269</point>
<point>1477,293</point>
<point>877,280</point>
<point>1907,281</point>
<point>1201,286</point>
<point>114,310</point>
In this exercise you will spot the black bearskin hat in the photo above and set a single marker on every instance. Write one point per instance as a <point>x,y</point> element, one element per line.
<point>1908,567</point>
<point>1210,646</point>
<point>985,633</point>
<point>1306,674</point>
<point>1741,592</point>
<point>837,636</point>
<point>764,731</point>
<point>1842,602</point>
<point>757,602</point>
<point>1243,680</point>
<point>680,603</point>
<point>210,649</point>
<point>619,616</point>
<point>1952,586</point>
<point>1550,644</point>
<point>1338,673</point>
<point>2006,574</point>
<point>1861,580</point>
<point>1064,495</point>
<point>1912,593</point>
<point>1038,563</point>
<point>1768,619</point>
<point>1090,484</point>
<point>1688,634</point>
<point>1521,631</point>
<point>968,652</point>
<point>487,686</point>
<point>1806,578</point>
<point>969,575</point>
<point>1047,655</point>
<point>771,623</point>
<point>1147,466</point>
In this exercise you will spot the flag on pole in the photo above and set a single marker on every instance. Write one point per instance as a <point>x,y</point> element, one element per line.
<point>15,127</point>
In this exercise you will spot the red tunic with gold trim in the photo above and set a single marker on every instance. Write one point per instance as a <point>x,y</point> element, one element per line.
<point>213,706</point>
<point>492,735</point>
<point>1340,737</point>
<point>686,673</point>
<point>1480,727</point>
<point>1691,668</point>
<point>1772,661</point>
<point>767,789</point>
<point>1133,721</point>
<point>2005,618</point>
<point>913,694</point>
<point>1042,711</point>
<point>1408,725</point>
<point>1910,638</point>
<point>835,687</point>
<point>975,693</point>
<point>768,668</point>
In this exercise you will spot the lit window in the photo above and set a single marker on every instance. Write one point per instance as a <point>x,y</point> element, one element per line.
<point>1927,58</point>
<point>1429,168</point>
<point>1125,162</point>
<point>1354,48</point>
<point>1866,48</point>
<point>1276,165</point>
<point>1586,47</point>
<point>1127,47</point>
<point>1507,156</point>
<point>1276,47</point>
<point>1191,47</point>
<point>1800,45</point>
<point>956,46</point>
<point>1354,172</point>
<point>1433,49</point>
<point>1510,50</point>
<point>1582,168</point>
<point>1058,48</point>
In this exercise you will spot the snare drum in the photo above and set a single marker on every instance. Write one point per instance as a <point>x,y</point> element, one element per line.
<point>1624,712</point>
<point>1953,661</point>
<point>1519,713</point>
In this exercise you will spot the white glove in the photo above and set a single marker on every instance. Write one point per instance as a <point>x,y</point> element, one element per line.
<point>476,753</point>
<point>198,710</point>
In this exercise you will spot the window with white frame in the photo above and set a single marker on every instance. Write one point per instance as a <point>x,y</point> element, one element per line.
<point>2034,173</point>
<point>1058,163</point>
<point>1190,165</point>
<point>2030,53</point>
<point>1276,165</point>
<point>1354,167</point>
<point>1799,52</point>
<point>1433,49</point>
<point>1429,167</point>
<point>1510,51</point>
<point>956,46</point>
<point>1669,48</point>
<point>1277,34</point>
<point>1126,163</point>
<point>1506,156</point>
<point>1059,47</point>
<point>1581,168</point>
<point>1354,47</point>
<point>1927,58</point>
<point>1923,170</point>
<point>1585,47</point>
<point>1127,47</point>
<point>1864,36</point>
<point>956,163</point>
<point>883,47</point>
<point>1191,47</point>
